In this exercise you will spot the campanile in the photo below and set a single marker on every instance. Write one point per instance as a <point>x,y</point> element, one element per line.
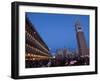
<point>83,51</point>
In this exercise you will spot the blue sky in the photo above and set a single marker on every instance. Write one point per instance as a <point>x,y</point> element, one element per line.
<point>58,30</point>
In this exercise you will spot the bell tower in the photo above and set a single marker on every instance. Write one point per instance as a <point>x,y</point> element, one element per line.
<point>83,52</point>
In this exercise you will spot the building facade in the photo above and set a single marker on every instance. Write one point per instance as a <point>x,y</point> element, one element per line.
<point>37,52</point>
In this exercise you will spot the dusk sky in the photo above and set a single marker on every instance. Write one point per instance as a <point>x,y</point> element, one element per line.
<point>58,30</point>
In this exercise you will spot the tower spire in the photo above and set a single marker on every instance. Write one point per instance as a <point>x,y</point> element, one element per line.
<point>78,26</point>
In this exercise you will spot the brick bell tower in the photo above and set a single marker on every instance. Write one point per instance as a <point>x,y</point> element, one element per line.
<point>83,52</point>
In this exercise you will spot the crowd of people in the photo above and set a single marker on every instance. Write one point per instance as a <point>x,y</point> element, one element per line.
<point>58,62</point>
